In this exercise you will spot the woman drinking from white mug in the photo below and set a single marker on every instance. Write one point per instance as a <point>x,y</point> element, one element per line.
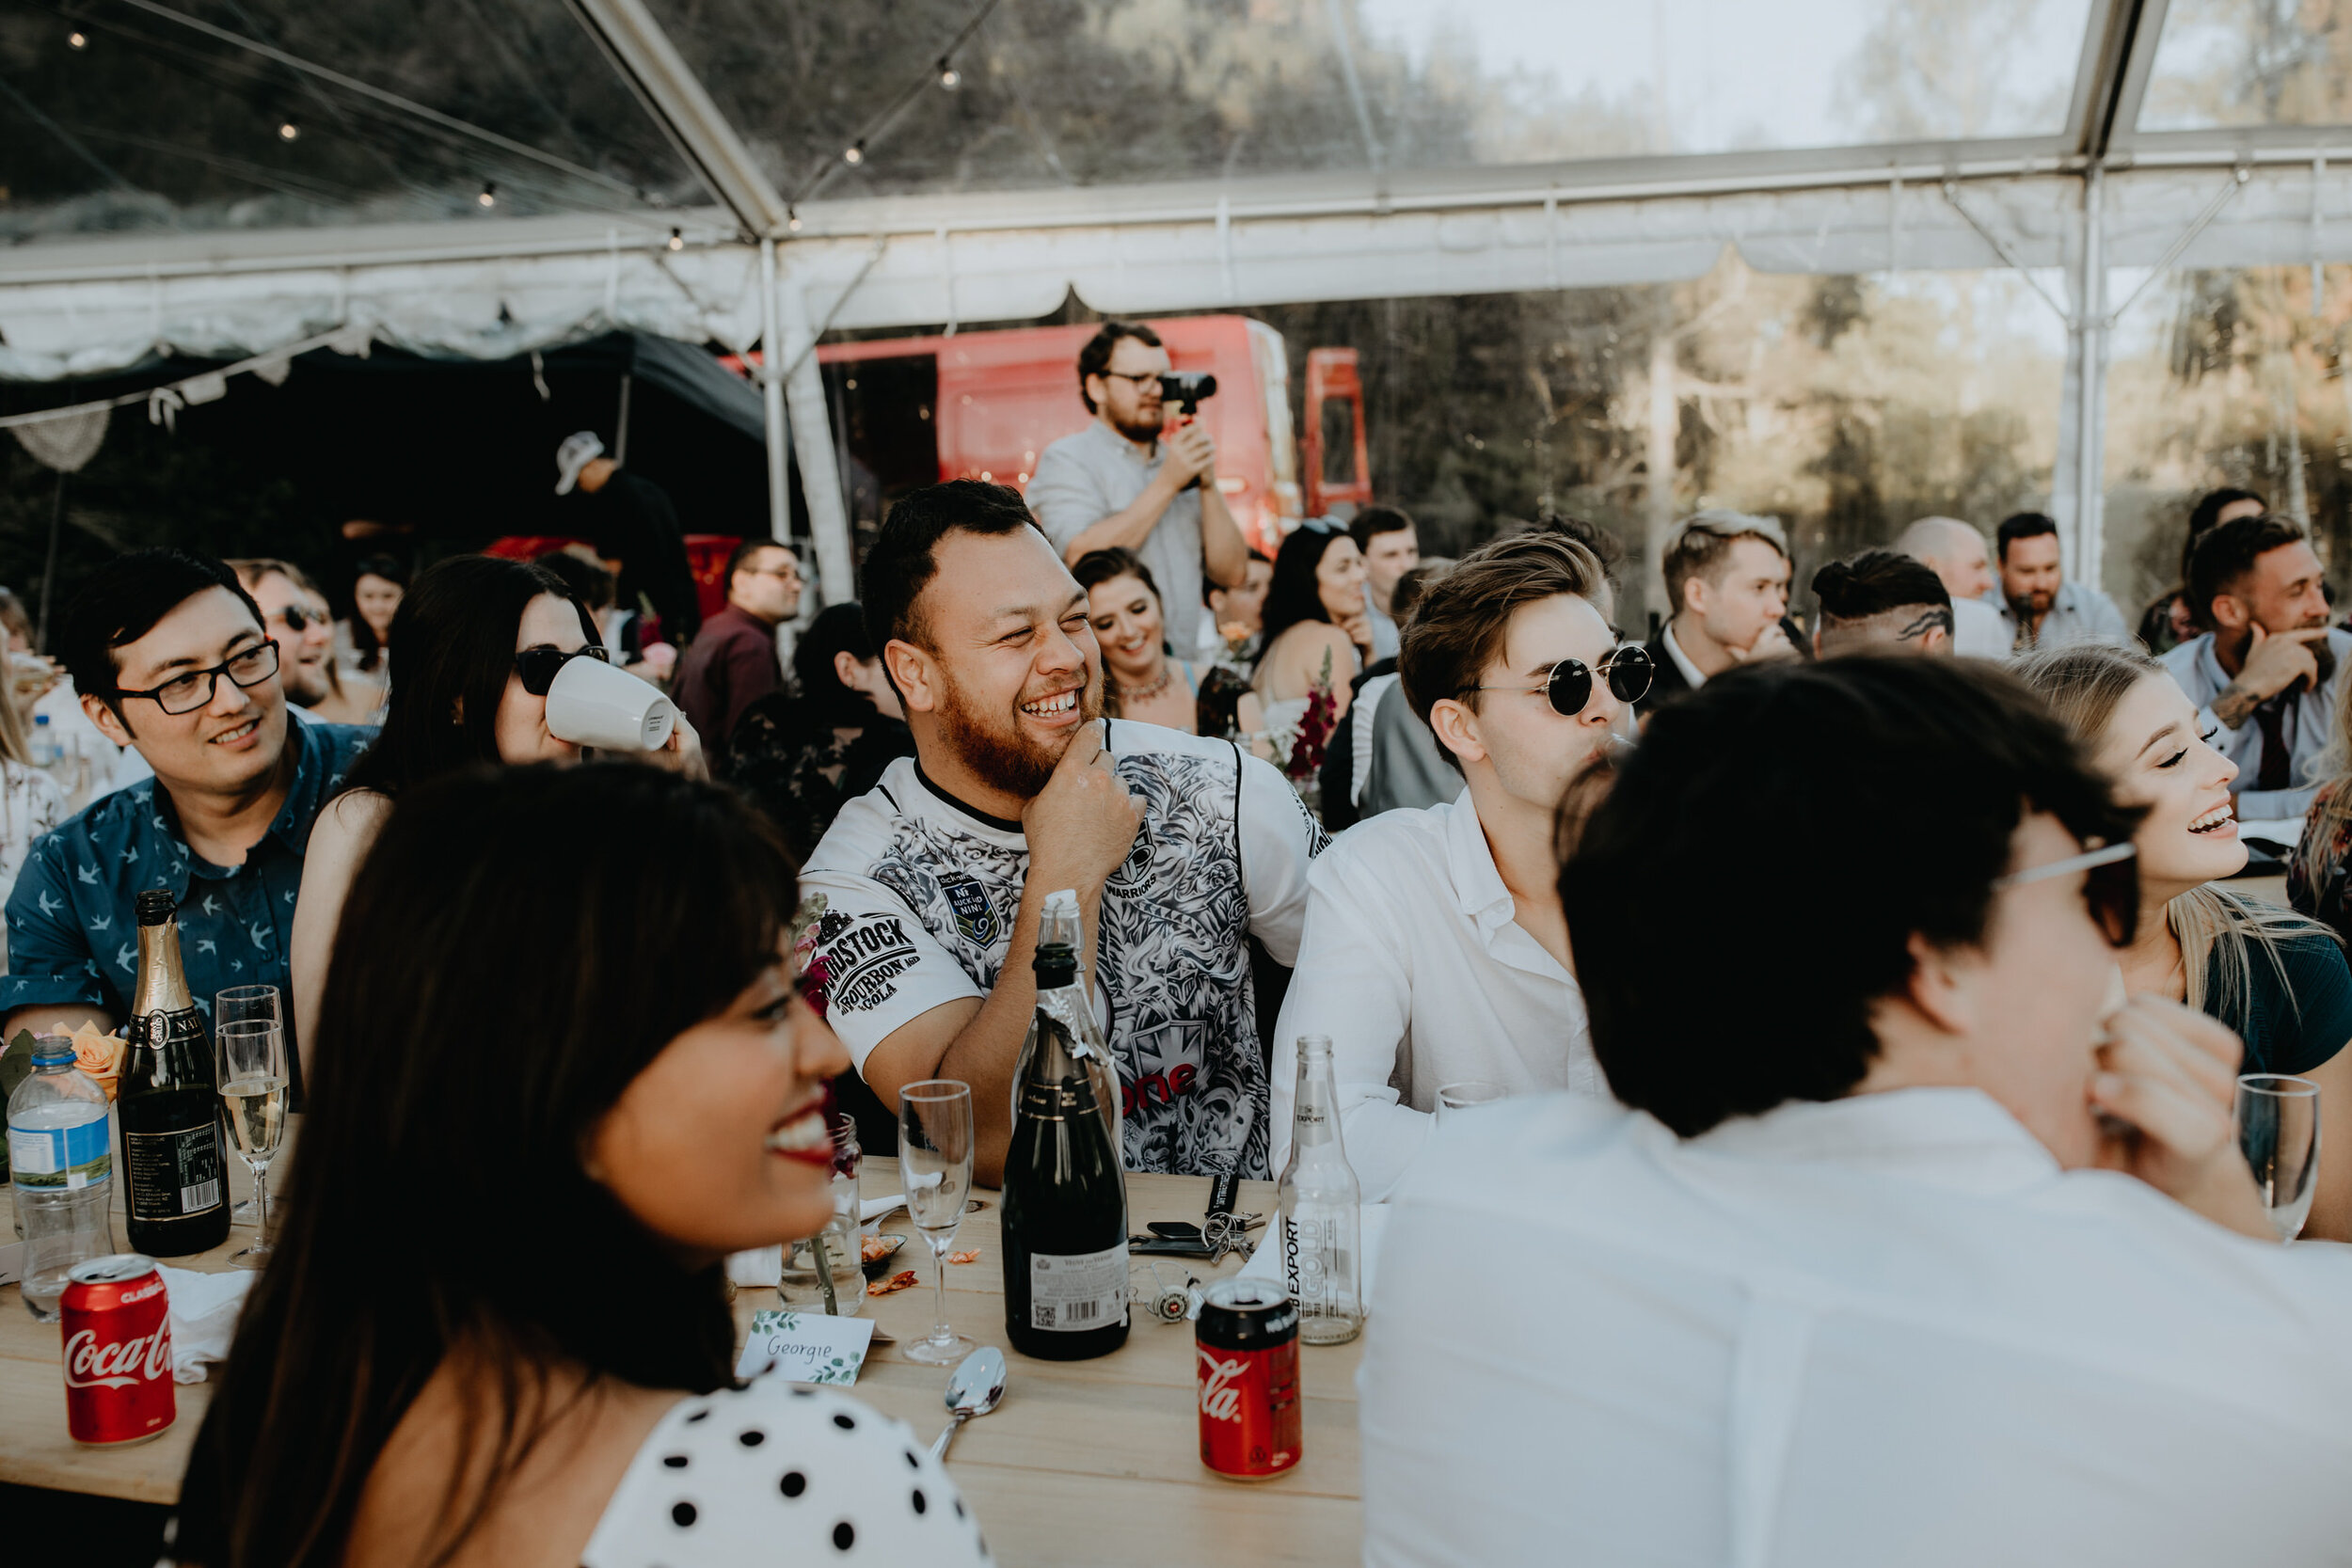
<point>476,645</point>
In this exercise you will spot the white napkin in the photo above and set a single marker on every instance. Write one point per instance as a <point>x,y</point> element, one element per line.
<point>205,1308</point>
<point>1266,1263</point>
<point>761,1265</point>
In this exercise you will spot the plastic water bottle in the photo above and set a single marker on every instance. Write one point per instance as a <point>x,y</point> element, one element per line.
<point>61,1169</point>
<point>44,743</point>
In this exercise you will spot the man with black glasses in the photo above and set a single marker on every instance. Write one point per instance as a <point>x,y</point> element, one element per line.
<point>1120,483</point>
<point>171,658</point>
<point>1434,949</point>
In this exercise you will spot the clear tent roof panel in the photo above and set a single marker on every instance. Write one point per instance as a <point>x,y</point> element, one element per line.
<point>2239,63</point>
<point>206,114</point>
<point>1093,92</point>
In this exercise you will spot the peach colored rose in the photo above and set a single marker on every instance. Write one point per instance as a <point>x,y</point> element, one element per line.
<point>99,1055</point>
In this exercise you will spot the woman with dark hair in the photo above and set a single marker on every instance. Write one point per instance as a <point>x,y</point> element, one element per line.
<point>363,643</point>
<point>800,758</point>
<point>1316,632</point>
<point>1141,679</point>
<point>479,640</point>
<point>607,1047</point>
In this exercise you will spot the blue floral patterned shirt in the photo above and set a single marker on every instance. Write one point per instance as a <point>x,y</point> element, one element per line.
<point>72,932</point>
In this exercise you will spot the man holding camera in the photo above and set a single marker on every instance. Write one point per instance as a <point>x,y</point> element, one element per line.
<point>1117,484</point>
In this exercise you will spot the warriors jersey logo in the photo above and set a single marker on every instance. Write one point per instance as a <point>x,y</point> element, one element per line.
<point>967,901</point>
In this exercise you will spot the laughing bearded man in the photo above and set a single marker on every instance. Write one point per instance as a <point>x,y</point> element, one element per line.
<point>1179,850</point>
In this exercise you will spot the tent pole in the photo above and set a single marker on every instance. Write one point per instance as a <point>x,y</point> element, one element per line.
<point>803,392</point>
<point>771,398</point>
<point>49,570</point>
<point>2090,432</point>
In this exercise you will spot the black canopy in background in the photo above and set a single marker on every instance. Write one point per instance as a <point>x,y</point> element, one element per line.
<point>465,450</point>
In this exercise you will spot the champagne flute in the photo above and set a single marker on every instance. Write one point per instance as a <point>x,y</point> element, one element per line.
<point>250,1056</point>
<point>935,1162</point>
<point>2278,1127</point>
<point>233,1005</point>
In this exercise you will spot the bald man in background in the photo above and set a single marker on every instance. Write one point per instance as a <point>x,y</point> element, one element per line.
<point>1960,557</point>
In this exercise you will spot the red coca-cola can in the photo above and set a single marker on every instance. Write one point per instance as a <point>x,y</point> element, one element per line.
<point>118,1351</point>
<point>1248,1339</point>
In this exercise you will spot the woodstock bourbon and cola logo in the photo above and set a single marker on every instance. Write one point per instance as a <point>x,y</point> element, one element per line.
<point>124,1364</point>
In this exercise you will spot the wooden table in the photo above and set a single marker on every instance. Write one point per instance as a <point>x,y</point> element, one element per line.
<point>1081,1455</point>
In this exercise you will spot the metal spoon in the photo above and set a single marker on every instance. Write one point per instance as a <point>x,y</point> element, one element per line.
<point>973,1389</point>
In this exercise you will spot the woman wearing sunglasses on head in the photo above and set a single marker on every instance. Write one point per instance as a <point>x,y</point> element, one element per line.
<point>537,1370</point>
<point>1435,950</point>
<point>2276,978</point>
<point>476,644</point>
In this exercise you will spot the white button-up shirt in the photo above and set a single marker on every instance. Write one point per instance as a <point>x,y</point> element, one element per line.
<point>2078,613</point>
<point>2306,721</point>
<point>1411,961</point>
<point>1885,1330</point>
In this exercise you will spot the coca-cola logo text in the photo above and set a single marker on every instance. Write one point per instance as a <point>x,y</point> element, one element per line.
<point>124,1364</point>
<point>1219,1400</point>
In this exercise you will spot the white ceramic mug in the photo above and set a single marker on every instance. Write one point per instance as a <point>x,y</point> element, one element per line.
<point>591,704</point>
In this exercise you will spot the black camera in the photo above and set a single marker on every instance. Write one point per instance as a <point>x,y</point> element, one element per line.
<point>1185,388</point>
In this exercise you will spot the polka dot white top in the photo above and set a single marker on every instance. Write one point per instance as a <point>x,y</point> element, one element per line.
<point>775,1473</point>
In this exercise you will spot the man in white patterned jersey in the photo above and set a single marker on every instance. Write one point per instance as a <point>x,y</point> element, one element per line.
<point>1179,850</point>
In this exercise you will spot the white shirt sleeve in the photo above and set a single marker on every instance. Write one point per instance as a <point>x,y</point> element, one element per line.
<point>1063,496</point>
<point>1279,838</point>
<point>874,966</point>
<point>1354,983</point>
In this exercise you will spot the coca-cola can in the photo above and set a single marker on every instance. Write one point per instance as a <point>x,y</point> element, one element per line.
<point>118,1351</point>
<point>1248,1339</point>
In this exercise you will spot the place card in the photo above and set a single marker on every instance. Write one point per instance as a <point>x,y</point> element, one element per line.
<point>806,1347</point>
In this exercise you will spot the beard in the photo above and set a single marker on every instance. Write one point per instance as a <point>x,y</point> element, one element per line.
<point>1138,428</point>
<point>306,684</point>
<point>992,745</point>
<point>2035,603</point>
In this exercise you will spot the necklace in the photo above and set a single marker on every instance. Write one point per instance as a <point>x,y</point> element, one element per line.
<point>1145,694</point>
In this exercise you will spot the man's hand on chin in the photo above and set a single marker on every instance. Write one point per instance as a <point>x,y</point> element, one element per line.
<point>1774,644</point>
<point>2167,1095</point>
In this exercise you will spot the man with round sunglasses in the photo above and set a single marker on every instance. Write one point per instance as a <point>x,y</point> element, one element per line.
<point>173,658</point>
<point>1434,950</point>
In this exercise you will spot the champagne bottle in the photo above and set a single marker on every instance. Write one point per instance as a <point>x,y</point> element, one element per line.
<point>1321,1204</point>
<point>176,1199</point>
<point>1065,1197</point>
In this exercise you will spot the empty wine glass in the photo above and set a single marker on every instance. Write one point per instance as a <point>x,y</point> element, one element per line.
<point>2278,1127</point>
<point>236,1004</point>
<point>1464,1095</point>
<point>251,1067</point>
<point>935,1162</point>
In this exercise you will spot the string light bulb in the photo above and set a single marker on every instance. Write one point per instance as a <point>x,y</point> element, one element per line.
<point>489,196</point>
<point>677,240</point>
<point>288,131</point>
<point>793,223</point>
<point>855,155</point>
<point>76,40</point>
<point>949,77</point>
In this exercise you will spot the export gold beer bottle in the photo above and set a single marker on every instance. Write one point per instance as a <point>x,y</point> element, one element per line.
<point>176,1190</point>
<point>1065,1199</point>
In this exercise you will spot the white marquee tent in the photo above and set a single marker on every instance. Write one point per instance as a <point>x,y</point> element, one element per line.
<point>2115,135</point>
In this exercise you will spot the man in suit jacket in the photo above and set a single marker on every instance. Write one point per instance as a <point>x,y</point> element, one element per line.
<point>1728,578</point>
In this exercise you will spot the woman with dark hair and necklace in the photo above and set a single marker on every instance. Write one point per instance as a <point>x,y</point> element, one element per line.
<point>563,999</point>
<point>1141,679</point>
